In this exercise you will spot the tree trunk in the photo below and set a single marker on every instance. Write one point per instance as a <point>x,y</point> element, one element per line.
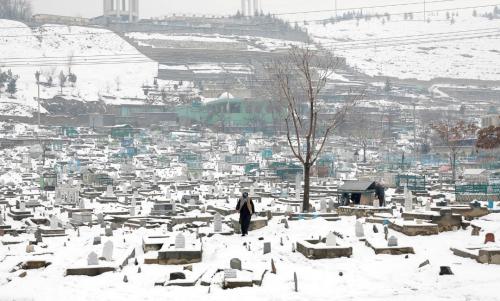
<point>305,201</point>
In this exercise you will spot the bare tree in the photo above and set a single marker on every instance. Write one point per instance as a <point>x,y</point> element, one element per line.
<point>488,138</point>
<point>452,135</point>
<point>298,80</point>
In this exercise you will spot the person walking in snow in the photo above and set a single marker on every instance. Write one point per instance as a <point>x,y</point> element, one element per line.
<point>246,208</point>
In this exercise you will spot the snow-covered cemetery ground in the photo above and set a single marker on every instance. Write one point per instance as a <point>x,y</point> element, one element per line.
<point>125,147</point>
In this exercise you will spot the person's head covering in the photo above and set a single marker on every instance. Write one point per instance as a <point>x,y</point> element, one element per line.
<point>245,194</point>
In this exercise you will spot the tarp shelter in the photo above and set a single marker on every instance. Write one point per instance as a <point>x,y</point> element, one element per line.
<point>357,192</point>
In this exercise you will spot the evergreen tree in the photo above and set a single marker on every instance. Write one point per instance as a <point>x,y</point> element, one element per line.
<point>12,86</point>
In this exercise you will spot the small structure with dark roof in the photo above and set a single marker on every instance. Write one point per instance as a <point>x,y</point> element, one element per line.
<point>358,192</point>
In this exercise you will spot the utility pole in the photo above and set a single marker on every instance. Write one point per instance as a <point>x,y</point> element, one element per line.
<point>336,15</point>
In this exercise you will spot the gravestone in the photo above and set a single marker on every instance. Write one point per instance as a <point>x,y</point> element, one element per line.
<point>229,273</point>
<point>217,222</point>
<point>386,232</point>
<point>100,218</point>
<point>53,222</point>
<point>108,231</point>
<point>376,203</point>
<point>235,264</point>
<point>489,237</point>
<point>22,206</point>
<point>107,250</point>
<point>322,206</point>
<point>267,247</point>
<point>408,199</point>
<point>30,248</point>
<point>132,210</point>
<point>392,241</point>
<point>97,240</point>
<point>360,232</point>
<point>180,241</point>
<point>38,236</point>
<point>1,219</point>
<point>331,240</point>
<point>92,259</point>
<point>375,229</point>
<point>331,205</point>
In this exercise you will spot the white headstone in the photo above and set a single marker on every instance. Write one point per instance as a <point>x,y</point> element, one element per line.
<point>331,240</point>
<point>408,199</point>
<point>217,222</point>
<point>92,259</point>
<point>132,210</point>
<point>53,223</point>
<point>180,241</point>
<point>376,203</point>
<point>107,250</point>
<point>22,206</point>
<point>109,191</point>
<point>360,231</point>
<point>323,206</point>
<point>1,219</point>
<point>330,204</point>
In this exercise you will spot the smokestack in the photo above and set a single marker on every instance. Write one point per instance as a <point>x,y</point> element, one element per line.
<point>243,7</point>
<point>250,10</point>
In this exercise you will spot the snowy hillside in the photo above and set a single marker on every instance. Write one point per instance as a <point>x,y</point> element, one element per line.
<point>103,62</point>
<point>449,43</point>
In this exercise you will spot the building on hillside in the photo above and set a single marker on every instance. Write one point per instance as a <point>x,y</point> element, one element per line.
<point>230,114</point>
<point>55,19</point>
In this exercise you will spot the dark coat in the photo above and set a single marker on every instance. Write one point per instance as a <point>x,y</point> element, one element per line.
<point>247,210</point>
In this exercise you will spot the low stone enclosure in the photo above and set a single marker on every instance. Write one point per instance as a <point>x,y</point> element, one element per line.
<point>316,249</point>
<point>362,211</point>
<point>255,223</point>
<point>380,246</point>
<point>480,254</point>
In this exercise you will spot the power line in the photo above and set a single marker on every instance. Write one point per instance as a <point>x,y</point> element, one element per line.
<point>360,8</point>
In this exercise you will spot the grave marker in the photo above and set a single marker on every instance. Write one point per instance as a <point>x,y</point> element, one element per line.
<point>92,259</point>
<point>392,241</point>
<point>107,250</point>
<point>217,222</point>
<point>235,264</point>
<point>360,232</point>
<point>180,241</point>
<point>267,247</point>
<point>331,240</point>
